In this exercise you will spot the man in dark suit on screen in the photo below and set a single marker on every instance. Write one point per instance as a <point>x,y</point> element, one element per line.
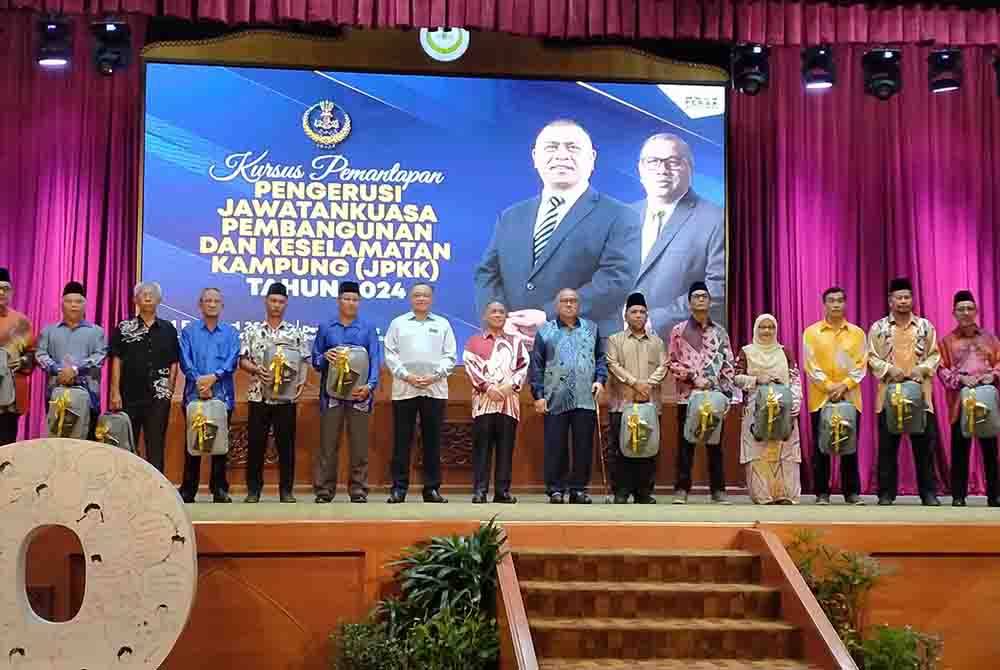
<point>682,238</point>
<point>570,236</point>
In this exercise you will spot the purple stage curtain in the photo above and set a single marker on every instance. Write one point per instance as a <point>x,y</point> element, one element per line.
<point>69,181</point>
<point>838,188</point>
<point>775,22</point>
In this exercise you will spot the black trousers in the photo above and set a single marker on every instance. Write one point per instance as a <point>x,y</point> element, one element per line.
<point>493,433</point>
<point>8,428</point>
<point>404,418</point>
<point>150,420</point>
<point>192,470</point>
<point>960,447</point>
<point>923,457</point>
<point>558,446</point>
<point>631,476</point>
<point>262,418</point>
<point>850,479</point>
<point>685,459</point>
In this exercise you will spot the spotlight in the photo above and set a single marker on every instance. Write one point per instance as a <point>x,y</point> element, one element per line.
<point>882,72</point>
<point>817,67</point>
<point>55,42</point>
<point>750,69</point>
<point>944,70</point>
<point>112,45</point>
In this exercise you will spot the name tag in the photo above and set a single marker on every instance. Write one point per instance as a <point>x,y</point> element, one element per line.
<point>434,331</point>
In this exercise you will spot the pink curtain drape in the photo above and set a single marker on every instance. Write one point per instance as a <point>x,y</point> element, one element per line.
<point>775,22</point>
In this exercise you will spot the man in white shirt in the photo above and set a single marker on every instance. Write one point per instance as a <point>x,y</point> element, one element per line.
<point>420,353</point>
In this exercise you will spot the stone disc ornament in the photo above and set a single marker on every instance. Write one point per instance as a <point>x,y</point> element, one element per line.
<point>139,555</point>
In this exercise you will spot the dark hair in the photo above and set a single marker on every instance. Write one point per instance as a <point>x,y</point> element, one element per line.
<point>834,289</point>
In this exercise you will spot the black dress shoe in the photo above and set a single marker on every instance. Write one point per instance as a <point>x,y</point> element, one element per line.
<point>822,498</point>
<point>645,500</point>
<point>396,497</point>
<point>930,501</point>
<point>556,498</point>
<point>358,498</point>
<point>993,502</point>
<point>434,497</point>
<point>221,497</point>
<point>884,500</point>
<point>504,498</point>
<point>854,499</point>
<point>479,498</point>
<point>323,498</point>
<point>287,497</point>
<point>958,502</point>
<point>579,498</point>
<point>186,497</point>
<point>621,500</point>
<point>252,498</point>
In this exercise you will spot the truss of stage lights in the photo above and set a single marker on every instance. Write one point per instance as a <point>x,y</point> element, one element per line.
<point>112,39</point>
<point>882,69</point>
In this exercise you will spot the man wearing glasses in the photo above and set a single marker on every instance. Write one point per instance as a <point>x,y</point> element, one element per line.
<point>569,236</point>
<point>683,236</point>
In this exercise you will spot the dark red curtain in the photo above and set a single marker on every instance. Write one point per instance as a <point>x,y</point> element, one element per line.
<point>775,22</point>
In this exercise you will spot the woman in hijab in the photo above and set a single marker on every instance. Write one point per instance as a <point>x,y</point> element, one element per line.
<point>772,467</point>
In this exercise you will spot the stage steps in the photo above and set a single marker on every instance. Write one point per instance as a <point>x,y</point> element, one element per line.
<point>654,610</point>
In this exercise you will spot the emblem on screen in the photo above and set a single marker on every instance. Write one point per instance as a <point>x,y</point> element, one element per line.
<point>326,124</point>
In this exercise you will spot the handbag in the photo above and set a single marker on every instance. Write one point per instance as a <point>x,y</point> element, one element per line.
<point>207,427</point>
<point>772,419</point>
<point>706,412</point>
<point>639,436</point>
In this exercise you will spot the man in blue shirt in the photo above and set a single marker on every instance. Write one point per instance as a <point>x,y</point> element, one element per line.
<point>567,374</point>
<point>346,330</point>
<point>210,351</point>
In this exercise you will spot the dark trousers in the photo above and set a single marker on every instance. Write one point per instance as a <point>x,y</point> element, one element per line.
<point>217,483</point>
<point>850,479</point>
<point>8,428</point>
<point>149,419</point>
<point>92,429</point>
<point>631,476</point>
<point>558,447</point>
<point>262,418</point>
<point>493,433</point>
<point>685,459</point>
<point>404,418</point>
<point>960,446</point>
<point>923,457</point>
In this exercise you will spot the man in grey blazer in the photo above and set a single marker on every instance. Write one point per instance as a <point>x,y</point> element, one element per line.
<point>570,236</point>
<point>682,238</point>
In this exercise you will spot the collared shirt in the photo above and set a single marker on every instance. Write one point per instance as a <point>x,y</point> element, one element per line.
<point>83,347</point>
<point>632,359</point>
<point>911,348</point>
<point>492,361</point>
<point>210,352</point>
<point>654,223</point>
<point>146,354</point>
<point>834,356</point>
<point>17,337</point>
<point>415,347</point>
<point>255,341</point>
<point>973,355</point>
<point>358,333</point>
<point>569,199</point>
<point>565,363</point>
<point>701,352</point>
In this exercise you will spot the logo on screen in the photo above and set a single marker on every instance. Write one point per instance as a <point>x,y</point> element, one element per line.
<point>326,124</point>
<point>444,44</point>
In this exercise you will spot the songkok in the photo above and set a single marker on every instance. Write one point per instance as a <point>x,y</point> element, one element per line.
<point>900,284</point>
<point>349,287</point>
<point>698,286</point>
<point>5,275</point>
<point>74,287</point>
<point>277,288</point>
<point>964,296</point>
<point>635,299</point>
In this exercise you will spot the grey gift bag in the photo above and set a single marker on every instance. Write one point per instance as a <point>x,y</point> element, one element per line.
<point>69,412</point>
<point>207,428</point>
<point>980,418</point>
<point>772,419</point>
<point>640,431</point>
<point>284,363</point>
<point>838,428</point>
<point>905,409</point>
<point>706,411</point>
<point>8,392</point>
<point>348,374</point>
<point>115,429</point>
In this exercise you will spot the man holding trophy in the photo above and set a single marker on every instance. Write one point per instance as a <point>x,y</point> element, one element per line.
<point>348,355</point>
<point>275,354</point>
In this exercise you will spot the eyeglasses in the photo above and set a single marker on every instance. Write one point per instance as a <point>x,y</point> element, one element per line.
<point>672,164</point>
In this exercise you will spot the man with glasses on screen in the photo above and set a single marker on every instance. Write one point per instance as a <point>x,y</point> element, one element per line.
<point>683,238</point>
<point>569,236</point>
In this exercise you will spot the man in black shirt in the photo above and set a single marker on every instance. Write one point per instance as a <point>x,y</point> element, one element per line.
<point>145,353</point>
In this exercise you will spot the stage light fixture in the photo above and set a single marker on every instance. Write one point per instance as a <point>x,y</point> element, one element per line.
<point>944,70</point>
<point>818,72</point>
<point>55,42</point>
<point>112,45</point>
<point>750,69</point>
<point>882,72</point>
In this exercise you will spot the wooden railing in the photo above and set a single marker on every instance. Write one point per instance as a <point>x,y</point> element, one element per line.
<point>517,652</point>
<point>822,646</point>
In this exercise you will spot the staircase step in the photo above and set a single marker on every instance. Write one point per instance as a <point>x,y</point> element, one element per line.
<point>623,565</point>
<point>664,638</point>
<point>671,664</point>
<point>650,600</point>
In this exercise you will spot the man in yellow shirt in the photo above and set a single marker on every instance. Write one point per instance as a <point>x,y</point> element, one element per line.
<point>835,363</point>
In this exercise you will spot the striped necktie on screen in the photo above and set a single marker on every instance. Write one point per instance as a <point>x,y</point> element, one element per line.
<point>544,230</point>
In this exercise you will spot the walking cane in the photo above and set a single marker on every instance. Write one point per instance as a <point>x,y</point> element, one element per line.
<point>600,451</point>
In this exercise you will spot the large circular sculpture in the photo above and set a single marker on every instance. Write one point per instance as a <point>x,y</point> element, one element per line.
<point>139,552</point>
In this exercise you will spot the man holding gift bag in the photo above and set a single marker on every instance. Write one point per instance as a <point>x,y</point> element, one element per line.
<point>275,354</point>
<point>970,359</point>
<point>637,365</point>
<point>903,347</point>
<point>17,346</point>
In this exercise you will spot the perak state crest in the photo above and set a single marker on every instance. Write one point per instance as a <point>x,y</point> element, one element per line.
<point>326,124</point>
